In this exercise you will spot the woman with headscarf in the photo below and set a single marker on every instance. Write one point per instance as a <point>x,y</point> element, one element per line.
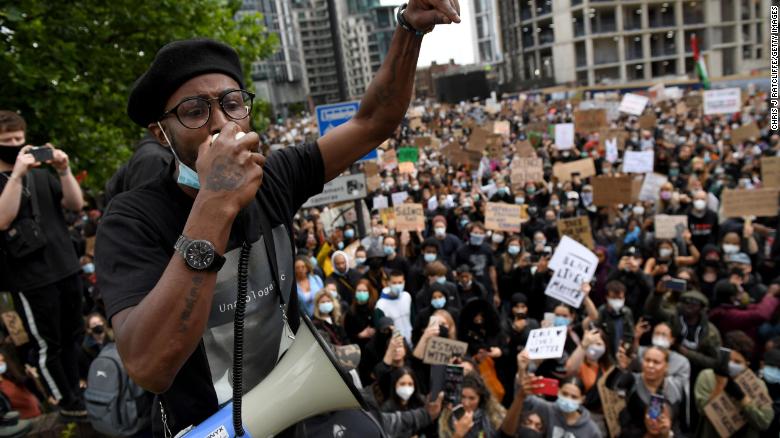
<point>343,275</point>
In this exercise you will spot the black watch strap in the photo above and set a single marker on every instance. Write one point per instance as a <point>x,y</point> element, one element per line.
<point>181,247</point>
<point>399,16</point>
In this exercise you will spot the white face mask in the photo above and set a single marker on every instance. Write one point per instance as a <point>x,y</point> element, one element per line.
<point>404,392</point>
<point>665,253</point>
<point>440,231</point>
<point>616,303</point>
<point>497,238</point>
<point>661,342</point>
<point>729,248</point>
<point>639,210</point>
<point>699,204</point>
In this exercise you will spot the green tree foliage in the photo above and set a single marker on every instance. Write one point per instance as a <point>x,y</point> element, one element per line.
<point>67,66</point>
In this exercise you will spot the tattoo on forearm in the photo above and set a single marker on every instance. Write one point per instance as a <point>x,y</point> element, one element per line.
<point>225,175</point>
<point>189,303</point>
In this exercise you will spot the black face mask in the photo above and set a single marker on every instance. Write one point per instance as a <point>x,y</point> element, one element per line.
<point>9,153</point>
<point>98,329</point>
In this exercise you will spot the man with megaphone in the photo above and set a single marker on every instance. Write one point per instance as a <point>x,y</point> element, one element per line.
<point>170,253</point>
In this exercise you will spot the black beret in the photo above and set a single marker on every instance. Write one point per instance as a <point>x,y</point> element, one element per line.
<point>175,64</point>
<point>518,298</point>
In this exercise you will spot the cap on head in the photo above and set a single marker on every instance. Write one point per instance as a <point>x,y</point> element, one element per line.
<point>175,64</point>
<point>695,295</point>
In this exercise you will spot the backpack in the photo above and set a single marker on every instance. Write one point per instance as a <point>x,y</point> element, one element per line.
<point>116,406</point>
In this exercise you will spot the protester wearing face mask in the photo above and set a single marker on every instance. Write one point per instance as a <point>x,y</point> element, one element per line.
<point>638,284</point>
<point>359,320</point>
<point>477,255</point>
<point>343,276</point>
<point>503,193</point>
<point>327,318</point>
<point>429,254</point>
<point>497,240</point>
<point>404,395</point>
<point>666,259</point>
<point>752,281</point>
<point>394,261</point>
<point>722,379</point>
<point>439,300</point>
<point>448,243</point>
<point>361,259</point>
<point>436,279</point>
<point>468,289</point>
<point>513,268</point>
<point>702,222</point>
<point>564,417</point>
<point>376,236</point>
<point>307,284</point>
<point>396,303</point>
<point>97,336</point>
<point>615,318</point>
<point>591,359</point>
<point>517,325</point>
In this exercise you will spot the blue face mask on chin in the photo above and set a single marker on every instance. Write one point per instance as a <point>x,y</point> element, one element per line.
<point>771,374</point>
<point>187,176</point>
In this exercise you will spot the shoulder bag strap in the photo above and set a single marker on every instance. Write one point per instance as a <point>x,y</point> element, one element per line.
<point>30,183</point>
<point>270,248</point>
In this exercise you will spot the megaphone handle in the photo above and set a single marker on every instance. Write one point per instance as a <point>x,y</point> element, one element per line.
<point>238,337</point>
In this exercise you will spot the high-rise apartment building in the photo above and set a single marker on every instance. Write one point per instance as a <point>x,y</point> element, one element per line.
<point>602,42</point>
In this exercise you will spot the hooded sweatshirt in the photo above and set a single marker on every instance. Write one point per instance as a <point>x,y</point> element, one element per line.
<point>555,422</point>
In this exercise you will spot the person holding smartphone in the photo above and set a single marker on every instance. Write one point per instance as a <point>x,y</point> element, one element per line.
<point>40,264</point>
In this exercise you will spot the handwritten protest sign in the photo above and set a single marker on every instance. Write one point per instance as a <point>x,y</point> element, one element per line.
<point>613,190</point>
<point>573,264</point>
<point>638,162</point>
<point>587,121</point>
<point>501,216</point>
<point>563,171</point>
<point>667,226</point>
<point>612,403</point>
<point>750,202</point>
<point>399,197</point>
<point>525,150</point>
<point>633,104</point>
<point>745,132</point>
<point>389,159</point>
<point>526,170</point>
<point>408,155</point>
<point>373,182</point>
<point>546,343</point>
<point>478,139</point>
<point>724,101</point>
<point>387,215</point>
<point>564,136</point>
<point>648,121</point>
<point>380,202</point>
<point>651,186</point>
<point>440,351</point>
<point>406,167</point>
<point>409,217</point>
<point>752,386</point>
<point>724,415</point>
<point>501,128</point>
<point>578,228</point>
<point>770,171</point>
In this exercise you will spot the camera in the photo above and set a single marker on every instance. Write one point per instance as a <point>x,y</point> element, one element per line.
<point>42,153</point>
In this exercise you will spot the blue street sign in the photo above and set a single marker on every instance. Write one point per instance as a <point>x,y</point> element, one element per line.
<point>330,116</point>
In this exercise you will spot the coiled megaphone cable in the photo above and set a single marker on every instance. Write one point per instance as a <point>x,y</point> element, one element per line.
<point>238,337</point>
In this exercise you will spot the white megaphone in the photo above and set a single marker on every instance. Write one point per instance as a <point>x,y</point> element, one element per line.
<point>308,381</point>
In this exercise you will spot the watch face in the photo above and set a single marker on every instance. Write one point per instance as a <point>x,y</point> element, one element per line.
<point>199,254</point>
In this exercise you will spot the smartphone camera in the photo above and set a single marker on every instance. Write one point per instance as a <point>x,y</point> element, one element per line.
<point>41,153</point>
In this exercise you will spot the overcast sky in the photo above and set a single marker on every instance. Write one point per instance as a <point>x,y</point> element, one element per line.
<point>450,41</point>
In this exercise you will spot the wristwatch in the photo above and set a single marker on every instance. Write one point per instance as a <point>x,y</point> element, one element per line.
<point>199,255</point>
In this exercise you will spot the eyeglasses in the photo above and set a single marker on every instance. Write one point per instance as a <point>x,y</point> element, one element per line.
<point>195,112</point>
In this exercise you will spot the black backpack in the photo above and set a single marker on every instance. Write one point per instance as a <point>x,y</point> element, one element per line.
<point>116,406</point>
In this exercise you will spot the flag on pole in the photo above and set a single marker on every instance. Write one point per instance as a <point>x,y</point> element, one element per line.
<point>701,68</point>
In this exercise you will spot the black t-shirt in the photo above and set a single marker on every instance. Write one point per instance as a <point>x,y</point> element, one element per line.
<point>480,259</point>
<point>149,158</point>
<point>58,259</point>
<point>135,244</point>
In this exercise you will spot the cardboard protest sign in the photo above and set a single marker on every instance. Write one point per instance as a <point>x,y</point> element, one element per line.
<point>573,264</point>
<point>501,128</point>
<point>651,186</point>
<point>462,157</point>
<point>379,202</point>
<point>751,385</point>
<point>724,101</point>
<point>525,150</point>
<point>667,226</point>
<point>478,139</point>
<point>389,159</point>
<point>399,198</point>
<point>409,217</point>
<point>638,162</point>
<point>408,155</point>
<point>693,101</point>
<point>745,132</point>
<point>724,415</point>
<point>370,168</point>
<point>770,171</point>
<point>526,170</point>
<point>373,182</point>
<point>681,109</point>
<point>633,104</point>
<point>612,403</point>
<point>406,167</point>
<point>750,202</point>
<point>422,142</point>
<point>546,343</point>
<point>501,216</point>
<point>587,121</point>
<point>564,136</point>
<point>578,228</point>
<point>613,190</point>
<point>648,121</point>
<point>563,171</point>
<point>387,215</point>
<point>440,351</point>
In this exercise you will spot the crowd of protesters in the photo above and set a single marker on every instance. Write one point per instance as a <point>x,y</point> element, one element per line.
<point>389,292</point>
